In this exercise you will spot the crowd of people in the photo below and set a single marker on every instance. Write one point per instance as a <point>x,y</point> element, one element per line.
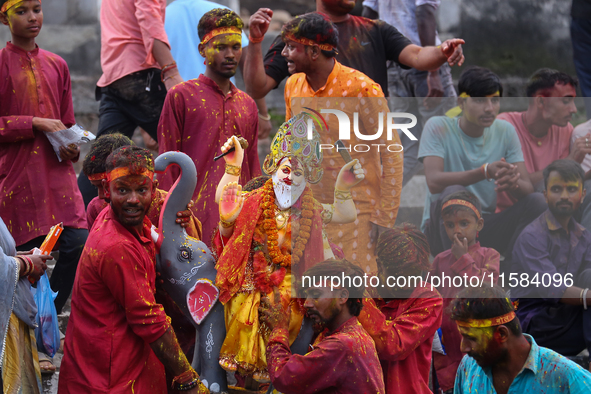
<point>506,205</point>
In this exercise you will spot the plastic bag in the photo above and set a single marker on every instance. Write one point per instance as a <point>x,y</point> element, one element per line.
<point>74,135</point>
<point>47,332</point>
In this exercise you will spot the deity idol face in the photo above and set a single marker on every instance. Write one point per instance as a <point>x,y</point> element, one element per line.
<point>289,183</point>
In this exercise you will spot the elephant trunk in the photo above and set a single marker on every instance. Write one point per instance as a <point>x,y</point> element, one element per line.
<point>178,197</point>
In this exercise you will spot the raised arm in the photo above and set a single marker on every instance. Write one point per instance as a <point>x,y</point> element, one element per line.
<point>431,58</point>
<point>257,82</point>
<point>234,162</point>
<point>150,17</point>
<point>344,206</point>
<point>397,338</point>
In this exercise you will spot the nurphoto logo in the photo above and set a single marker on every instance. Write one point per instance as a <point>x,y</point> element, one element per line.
<point>388,118</point>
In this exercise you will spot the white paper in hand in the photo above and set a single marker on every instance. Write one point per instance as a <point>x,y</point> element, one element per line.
<point>74,135</point>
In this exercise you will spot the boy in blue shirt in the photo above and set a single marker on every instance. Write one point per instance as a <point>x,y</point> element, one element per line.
<point>477,152</point>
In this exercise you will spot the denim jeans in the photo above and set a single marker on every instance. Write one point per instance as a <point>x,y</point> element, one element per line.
<point>132,101</point>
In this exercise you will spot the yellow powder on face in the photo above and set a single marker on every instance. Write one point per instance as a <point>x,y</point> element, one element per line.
<point>557,180</point>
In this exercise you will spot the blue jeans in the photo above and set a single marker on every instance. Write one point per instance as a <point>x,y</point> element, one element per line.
<point>132,101</point>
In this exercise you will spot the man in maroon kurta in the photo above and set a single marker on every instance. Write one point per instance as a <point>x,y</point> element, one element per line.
<point>403,325</point>
<point>200,115</point>
<point>113,302</point>
<point>403,332</point>
<point>343,359</point>
<point>37,191</point>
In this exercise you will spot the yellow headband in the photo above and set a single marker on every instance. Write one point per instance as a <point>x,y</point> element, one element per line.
<point>97,177</point>
<point>463,203</point>
<point>219,31</point>
<point>124,171</point>
<point>455,111</point>
<point>483,323</point>
<point>308,42</point>
<point>11,3</point>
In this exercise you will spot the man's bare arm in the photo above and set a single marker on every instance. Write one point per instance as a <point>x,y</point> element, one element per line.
<point>170,354</point>
<point>438,179</point>
<point>431,58</point>
<point>257,82</point>
<point>162,54</point>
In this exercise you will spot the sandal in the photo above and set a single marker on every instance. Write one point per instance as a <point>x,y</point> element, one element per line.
<point>46,364</point>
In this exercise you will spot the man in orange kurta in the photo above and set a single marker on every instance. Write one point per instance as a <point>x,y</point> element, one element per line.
<point>316,76</point>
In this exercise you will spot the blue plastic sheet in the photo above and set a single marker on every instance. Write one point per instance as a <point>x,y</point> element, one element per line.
<point>47,333</point>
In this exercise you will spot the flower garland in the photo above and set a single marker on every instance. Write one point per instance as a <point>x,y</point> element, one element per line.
<point>265,280</point>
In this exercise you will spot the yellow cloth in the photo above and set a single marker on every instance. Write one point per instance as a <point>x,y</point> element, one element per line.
<point>20,368</point>
<point>377,197</point>
<point>245,347</point>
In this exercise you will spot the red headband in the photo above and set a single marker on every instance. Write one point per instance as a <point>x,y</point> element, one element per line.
<point>463,203</point>
<point>308,42</point>
<point>97,177</point>
<point>482,323</point>
<point>124,171</point>
<point>219,31</point>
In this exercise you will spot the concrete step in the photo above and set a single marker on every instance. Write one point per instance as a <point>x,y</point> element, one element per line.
<point>412,200</point>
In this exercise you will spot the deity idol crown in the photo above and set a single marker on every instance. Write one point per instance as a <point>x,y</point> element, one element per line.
<point>291,141</point>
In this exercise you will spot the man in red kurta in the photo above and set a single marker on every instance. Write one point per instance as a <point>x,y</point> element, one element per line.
<point>94,167</point>
<point>37,191</point>
<point>201,114</point>
<point>403,325</point>
<point>113,301</point>
<point>343,359</point>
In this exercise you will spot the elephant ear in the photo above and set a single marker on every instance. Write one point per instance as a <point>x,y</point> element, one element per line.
<point>201,298</point>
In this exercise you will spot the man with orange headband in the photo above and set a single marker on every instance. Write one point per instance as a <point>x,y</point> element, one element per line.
<point>555,246</point>
<point>37,190</point>
<point>477,152</point>
<point>201,114</point>
<point>311,41</point>
<point>343,357</point>
<point>500,358</point>
<point>94,166</point>
<point>404,314</point>
<point>113,300</point>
